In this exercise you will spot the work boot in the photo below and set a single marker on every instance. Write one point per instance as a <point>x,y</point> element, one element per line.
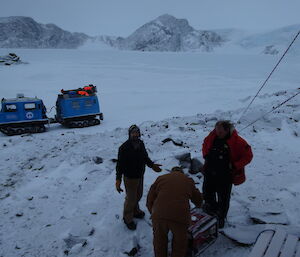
<point>221,222</point>
<point>130,225</point>
<point>139,215</point>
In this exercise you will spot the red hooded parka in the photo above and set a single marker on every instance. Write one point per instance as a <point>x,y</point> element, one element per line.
<point>240,154</point>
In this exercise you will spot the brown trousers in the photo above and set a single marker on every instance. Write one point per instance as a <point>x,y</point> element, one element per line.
<point>134,193</point>
<point>160,238</point>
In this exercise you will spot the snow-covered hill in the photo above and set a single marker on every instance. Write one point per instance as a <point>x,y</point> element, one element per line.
<point>167,33</point>
<point>24,32</point>
<point>59,200</point>
<point>273,42</point>
<point>57,190</point>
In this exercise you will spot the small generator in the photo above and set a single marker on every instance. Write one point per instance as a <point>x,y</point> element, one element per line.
<point>203,232</point>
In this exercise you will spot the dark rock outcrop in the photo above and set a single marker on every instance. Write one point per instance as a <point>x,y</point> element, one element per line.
<point>25,32</point>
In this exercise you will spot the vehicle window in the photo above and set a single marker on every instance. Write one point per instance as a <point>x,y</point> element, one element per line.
<point>88,103</point>
<point>10,108</point>
<point>29,106</point>
<point>75,105</point>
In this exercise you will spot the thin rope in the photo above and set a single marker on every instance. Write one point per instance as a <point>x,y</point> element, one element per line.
<point>265,82</point>
<point>273,109</point>
<point>51,109</point>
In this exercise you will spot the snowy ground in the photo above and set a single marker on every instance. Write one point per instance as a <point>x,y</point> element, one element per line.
<point>55,197</point>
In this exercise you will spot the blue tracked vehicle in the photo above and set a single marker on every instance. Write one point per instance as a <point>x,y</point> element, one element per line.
<point>74,108</point>
<point>78,108</point>
<point>22,115</point>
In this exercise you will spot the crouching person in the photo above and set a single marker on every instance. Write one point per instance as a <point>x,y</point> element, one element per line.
<point>168,203</point>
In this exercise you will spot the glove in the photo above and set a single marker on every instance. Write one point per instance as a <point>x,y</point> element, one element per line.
<point>156,167</point>
<point>118,186</point>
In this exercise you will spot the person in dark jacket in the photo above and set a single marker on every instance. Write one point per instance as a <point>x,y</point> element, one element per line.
<point>226,154</point>
<point>168,203</point>
<point>132,158</point>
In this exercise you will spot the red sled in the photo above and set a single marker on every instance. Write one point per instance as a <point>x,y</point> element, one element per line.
<point>203,232</point>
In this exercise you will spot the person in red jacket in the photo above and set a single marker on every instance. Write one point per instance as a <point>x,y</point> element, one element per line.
<point>226,154</point>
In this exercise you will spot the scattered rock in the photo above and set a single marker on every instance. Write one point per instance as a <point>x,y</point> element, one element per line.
<point>185,165</point>
<point>133,251</point>
<point>279,93</point>
<point>135,247</point>
<point>40,168</point>
<point>92,232</point>
<point>9,183</point>
<point>270,50</point>
<point>171,140</point>
<point>196,166</point>
<point>184,160</point>
<point>97,160</point>
<point>185,157</point>
<point>211,119</point>
<point>20,214</point>
<point>166,140</point>
<point>3,197</point>
<point>71,241</point>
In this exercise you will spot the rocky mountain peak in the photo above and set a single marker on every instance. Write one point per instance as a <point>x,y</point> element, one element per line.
<point>25,32</point>
<point>180,26</point>
<point>167,33</point>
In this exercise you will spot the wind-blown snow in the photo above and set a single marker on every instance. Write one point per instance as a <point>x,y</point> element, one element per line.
<point>279,39</point>
<point>56,200</point>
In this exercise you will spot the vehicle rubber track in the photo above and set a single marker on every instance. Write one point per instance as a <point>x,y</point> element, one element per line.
<point>12,131</point>
<point>82,123</point>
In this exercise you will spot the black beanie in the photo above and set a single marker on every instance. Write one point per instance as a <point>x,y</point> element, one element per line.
<point>132,128</point>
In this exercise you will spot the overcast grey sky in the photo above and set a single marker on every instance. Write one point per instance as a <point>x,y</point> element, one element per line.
<point>122,17</point>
